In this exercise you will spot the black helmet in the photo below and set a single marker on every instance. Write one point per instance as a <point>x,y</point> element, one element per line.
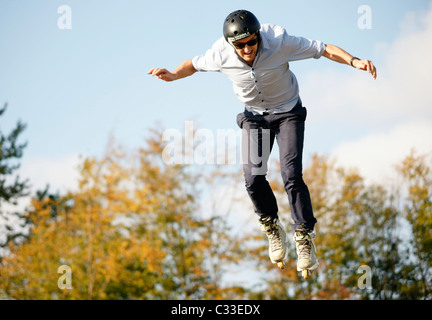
<point>240,24</point>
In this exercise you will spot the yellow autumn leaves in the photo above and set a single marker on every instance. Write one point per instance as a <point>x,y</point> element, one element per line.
<point>134,229</point>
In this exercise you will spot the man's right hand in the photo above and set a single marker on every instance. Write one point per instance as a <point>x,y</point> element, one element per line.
<point>163,74</point>
<point>185,69</point>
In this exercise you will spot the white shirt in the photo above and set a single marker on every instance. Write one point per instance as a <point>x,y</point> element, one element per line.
<point>269,85</point>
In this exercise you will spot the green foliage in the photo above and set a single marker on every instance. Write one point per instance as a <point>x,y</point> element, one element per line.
<point>11,150</point>
<point>12,188</point>
<point>417,174</point>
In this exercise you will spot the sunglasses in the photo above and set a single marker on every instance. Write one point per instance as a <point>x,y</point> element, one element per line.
<point>250,43</point>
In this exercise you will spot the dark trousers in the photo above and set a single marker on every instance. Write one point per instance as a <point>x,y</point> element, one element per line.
<point>259,133</point>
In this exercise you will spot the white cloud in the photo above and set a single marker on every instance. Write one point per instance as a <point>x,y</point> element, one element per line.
<point>376,155</point>
<point>60,173</point>
<point>401,91</point>
<point>393,113</point>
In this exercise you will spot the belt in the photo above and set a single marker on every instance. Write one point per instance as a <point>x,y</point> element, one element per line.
<point>266,112</point>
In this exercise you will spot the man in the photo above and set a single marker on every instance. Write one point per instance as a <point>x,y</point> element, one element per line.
<point>256,58</point>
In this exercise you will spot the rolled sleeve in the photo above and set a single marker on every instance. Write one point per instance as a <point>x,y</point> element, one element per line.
<point>320,47</point>
<point>196,63</point>
<point>211,60</point>
<point>299,48</point>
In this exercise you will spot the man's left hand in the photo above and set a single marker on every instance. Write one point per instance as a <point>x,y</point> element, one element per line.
<point>365,65</point>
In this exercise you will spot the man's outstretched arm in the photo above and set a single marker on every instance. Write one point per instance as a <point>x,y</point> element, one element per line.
<point>339,55</point>
<point>185,69</point>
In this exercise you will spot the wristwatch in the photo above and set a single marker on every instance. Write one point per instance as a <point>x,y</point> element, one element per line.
<point>352,59</point>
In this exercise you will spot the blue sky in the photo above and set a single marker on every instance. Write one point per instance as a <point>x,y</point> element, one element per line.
<point>74,88</point>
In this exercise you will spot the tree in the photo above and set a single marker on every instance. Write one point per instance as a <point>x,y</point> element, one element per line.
<point>12,187</point>
<point>372,235</point>
<point>417,174</point>
<point>136,229</point>
<point>130,232</point>
<point>357,225</point>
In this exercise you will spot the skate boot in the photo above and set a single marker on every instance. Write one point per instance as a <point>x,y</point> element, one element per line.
<point>277,238</point>
<point>307,261</point>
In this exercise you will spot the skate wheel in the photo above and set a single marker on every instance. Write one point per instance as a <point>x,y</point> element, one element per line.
<point>281,265</point>
<point>306,274</point>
